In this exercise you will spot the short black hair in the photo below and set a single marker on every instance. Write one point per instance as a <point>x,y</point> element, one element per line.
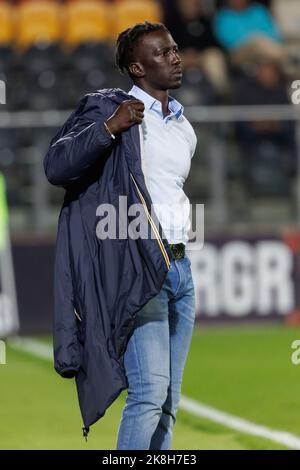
<point>128,39</point>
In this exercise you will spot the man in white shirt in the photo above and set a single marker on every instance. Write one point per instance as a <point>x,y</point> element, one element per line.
<point>166,138</point>
<point>157,350</point>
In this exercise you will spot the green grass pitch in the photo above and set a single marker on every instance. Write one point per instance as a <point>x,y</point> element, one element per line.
<point>246,371</point>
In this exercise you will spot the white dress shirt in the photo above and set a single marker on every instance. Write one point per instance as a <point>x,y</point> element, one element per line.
<point>168,145</point>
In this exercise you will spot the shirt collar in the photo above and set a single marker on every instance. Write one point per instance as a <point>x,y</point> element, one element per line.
<point>152,103</point>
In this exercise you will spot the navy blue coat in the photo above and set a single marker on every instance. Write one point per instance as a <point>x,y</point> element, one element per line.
<point>99,285</point>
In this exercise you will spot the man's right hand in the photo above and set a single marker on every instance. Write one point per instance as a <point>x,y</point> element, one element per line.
<point>129,112</point>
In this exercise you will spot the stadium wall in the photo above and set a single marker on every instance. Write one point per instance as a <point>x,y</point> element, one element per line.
<point>236,280</point>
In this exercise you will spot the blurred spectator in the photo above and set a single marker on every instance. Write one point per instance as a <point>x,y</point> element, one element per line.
<point>192,30</point>
<point>269,146</point>
<point>248,31</point>
<point>266,3</point>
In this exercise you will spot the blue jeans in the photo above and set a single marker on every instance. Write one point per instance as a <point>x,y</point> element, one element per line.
<point>154,362</point>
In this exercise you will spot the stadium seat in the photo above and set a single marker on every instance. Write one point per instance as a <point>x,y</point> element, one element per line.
<point>17,95</point>
<point>129,12</point>
<point>6,24</point>
<point>38,22</point>
<point>287,13</point>
<point>19,2</point>
<point>122,1</point>
<point>6,57</point>
<point>84,1</point>
<point>86,22</point>
<point>70,88</point>
<point>90,56</point>
<point>43,90</point>
<point>39,64</point>
<point>195,89</point>
<point>88,67</point>
<point>265,171</point>
<point>42,57</point>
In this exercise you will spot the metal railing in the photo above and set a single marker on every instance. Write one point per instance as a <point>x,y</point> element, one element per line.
<point>212,116</point>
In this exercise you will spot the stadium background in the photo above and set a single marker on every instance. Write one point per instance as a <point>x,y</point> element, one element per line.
<point>245,171</point>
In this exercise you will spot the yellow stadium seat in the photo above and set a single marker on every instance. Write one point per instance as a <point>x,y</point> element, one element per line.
<point>38,22</point>
<point>83,1</point>
<point>86,21</point>
<point>129,12</point>
<point>6,23</point>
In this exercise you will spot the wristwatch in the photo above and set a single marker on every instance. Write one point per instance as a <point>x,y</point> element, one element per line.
<point>110,133</point>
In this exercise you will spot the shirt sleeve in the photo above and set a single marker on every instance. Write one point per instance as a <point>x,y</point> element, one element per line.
<point>193,143</point>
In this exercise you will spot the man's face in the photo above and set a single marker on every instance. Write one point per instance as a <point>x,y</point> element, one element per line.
<point>157,61</point>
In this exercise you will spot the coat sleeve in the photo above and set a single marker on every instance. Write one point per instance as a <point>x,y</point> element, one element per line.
<point>67,356</point>
<point>85,140</point>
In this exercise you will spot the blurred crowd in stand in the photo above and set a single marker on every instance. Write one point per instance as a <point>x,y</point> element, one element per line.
<point>234,52</point>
